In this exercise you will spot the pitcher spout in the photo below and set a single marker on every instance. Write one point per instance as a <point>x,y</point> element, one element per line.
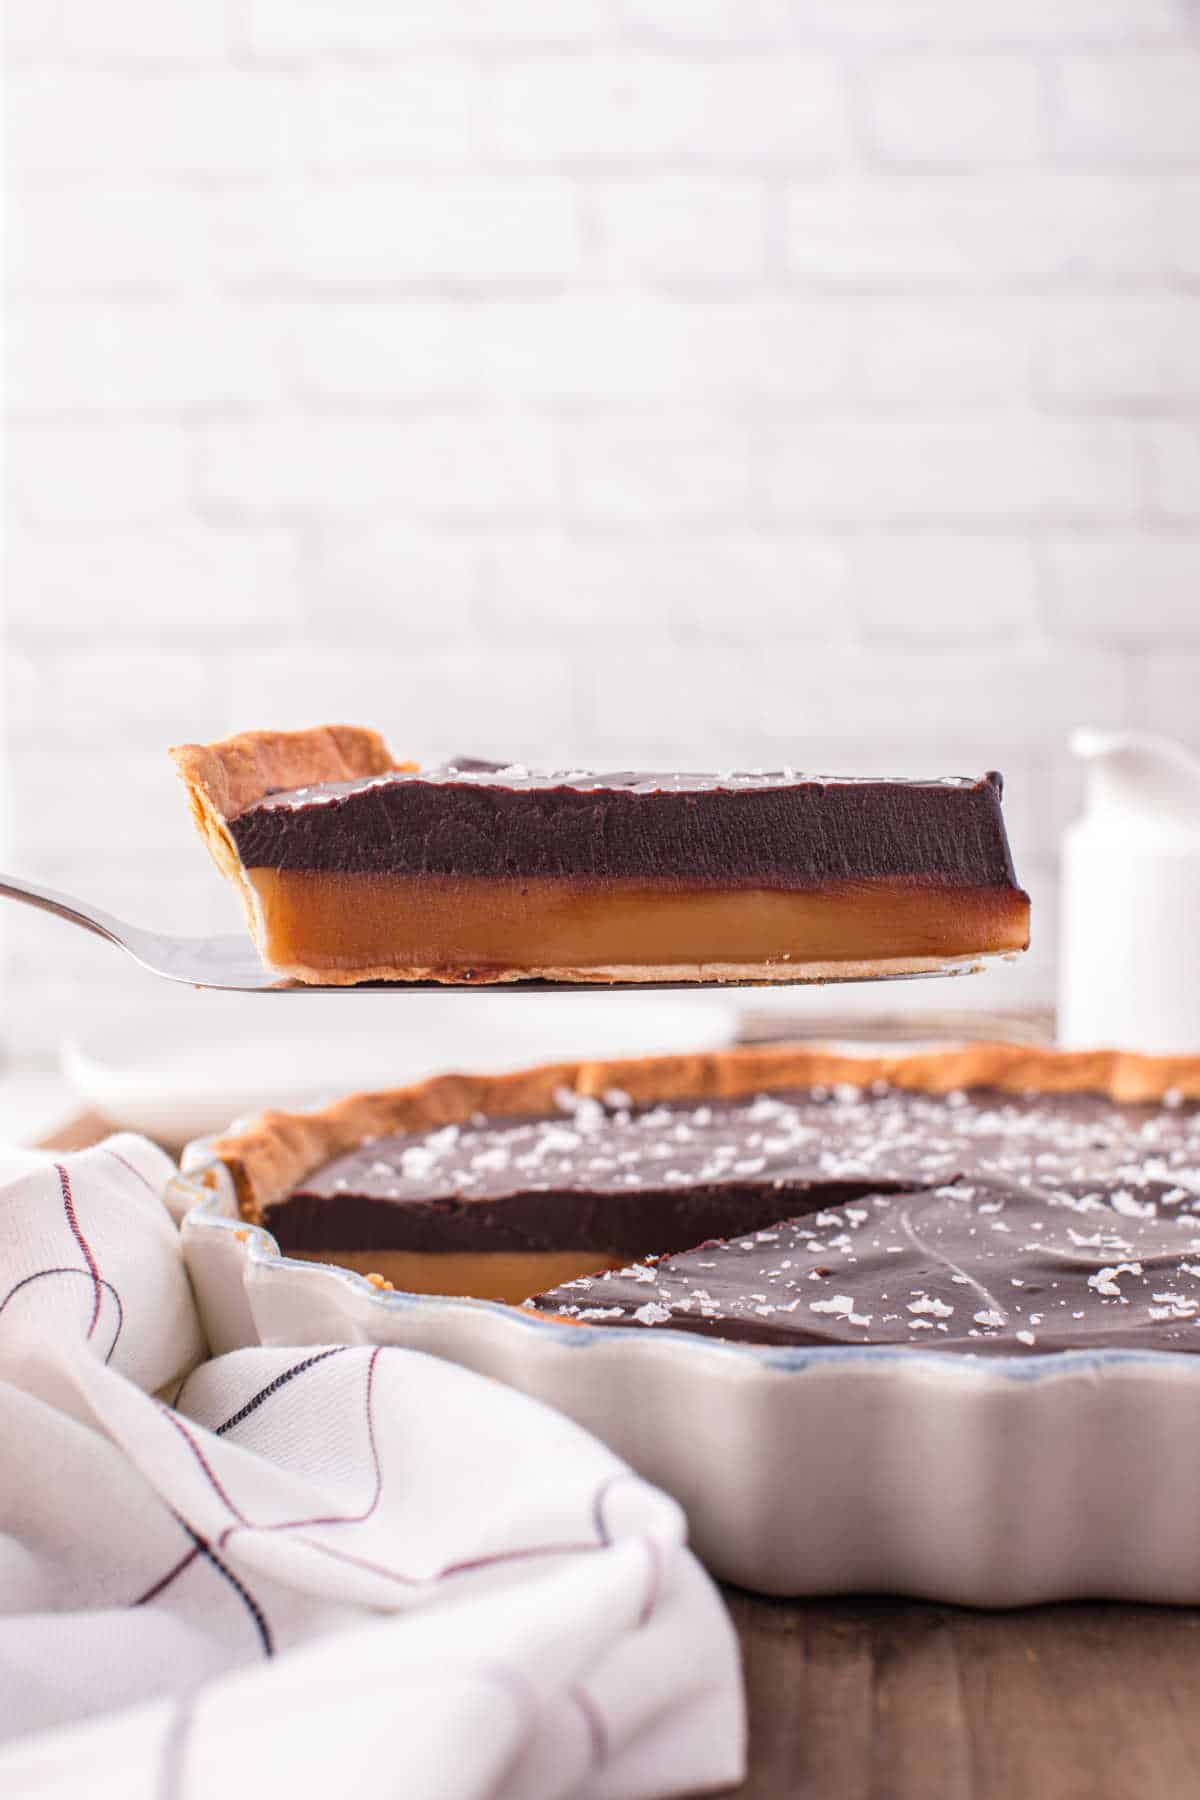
<point>1140,778</point>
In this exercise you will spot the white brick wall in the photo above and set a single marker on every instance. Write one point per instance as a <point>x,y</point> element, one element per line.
<point>698,379</point>
<point>929,108</point>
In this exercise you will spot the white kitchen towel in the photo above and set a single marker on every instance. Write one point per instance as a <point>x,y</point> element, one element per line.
<point>336,1571</point>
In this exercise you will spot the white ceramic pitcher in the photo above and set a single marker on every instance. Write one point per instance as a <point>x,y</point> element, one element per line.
<point>1129,968</point>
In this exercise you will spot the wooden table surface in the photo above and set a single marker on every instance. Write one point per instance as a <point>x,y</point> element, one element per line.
<point>880,1699</point>
<point>876,1699</point>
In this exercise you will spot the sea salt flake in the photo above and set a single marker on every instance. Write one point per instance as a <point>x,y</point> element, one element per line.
<point>586,1111</point>
<point>1129,1208</point>
<point>652,1313</point>
<point>485,1160</point>
<point>416,1161</point>
<point>1179,1305</point>
<point>1104,1281</point>
<point>928,1304</point>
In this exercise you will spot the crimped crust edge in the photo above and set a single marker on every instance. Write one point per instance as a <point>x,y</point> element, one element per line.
<point>236,772</point>
<point>278,1149</point>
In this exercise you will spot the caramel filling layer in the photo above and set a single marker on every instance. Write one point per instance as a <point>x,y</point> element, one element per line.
<point>442,924</point>
<point>510,1275</point>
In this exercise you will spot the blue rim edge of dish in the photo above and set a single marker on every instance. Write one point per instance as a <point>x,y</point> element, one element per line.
<point>263,1249</point>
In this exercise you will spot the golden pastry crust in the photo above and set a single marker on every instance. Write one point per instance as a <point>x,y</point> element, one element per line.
<point>237,772</point>
<point>277,1150</point>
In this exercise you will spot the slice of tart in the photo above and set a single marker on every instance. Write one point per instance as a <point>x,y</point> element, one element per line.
<point>976,1264</point>
<point>981,1199</point>
<point>353,867</point>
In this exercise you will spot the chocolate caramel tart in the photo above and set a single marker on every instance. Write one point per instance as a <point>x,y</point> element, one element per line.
<point>353,867</point>
<point>983,1199</point>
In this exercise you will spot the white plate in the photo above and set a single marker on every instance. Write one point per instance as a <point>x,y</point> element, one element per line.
<point>188,1070</point>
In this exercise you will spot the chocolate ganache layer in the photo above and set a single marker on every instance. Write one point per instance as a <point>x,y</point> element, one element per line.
<point>851,1215</point>
<point>970,1266</point>
<point>745,830</point>
<point>610,1179</point>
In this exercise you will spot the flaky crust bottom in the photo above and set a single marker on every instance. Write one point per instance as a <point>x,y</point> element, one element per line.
<point>709,974</point>
<point>279,1149</point>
